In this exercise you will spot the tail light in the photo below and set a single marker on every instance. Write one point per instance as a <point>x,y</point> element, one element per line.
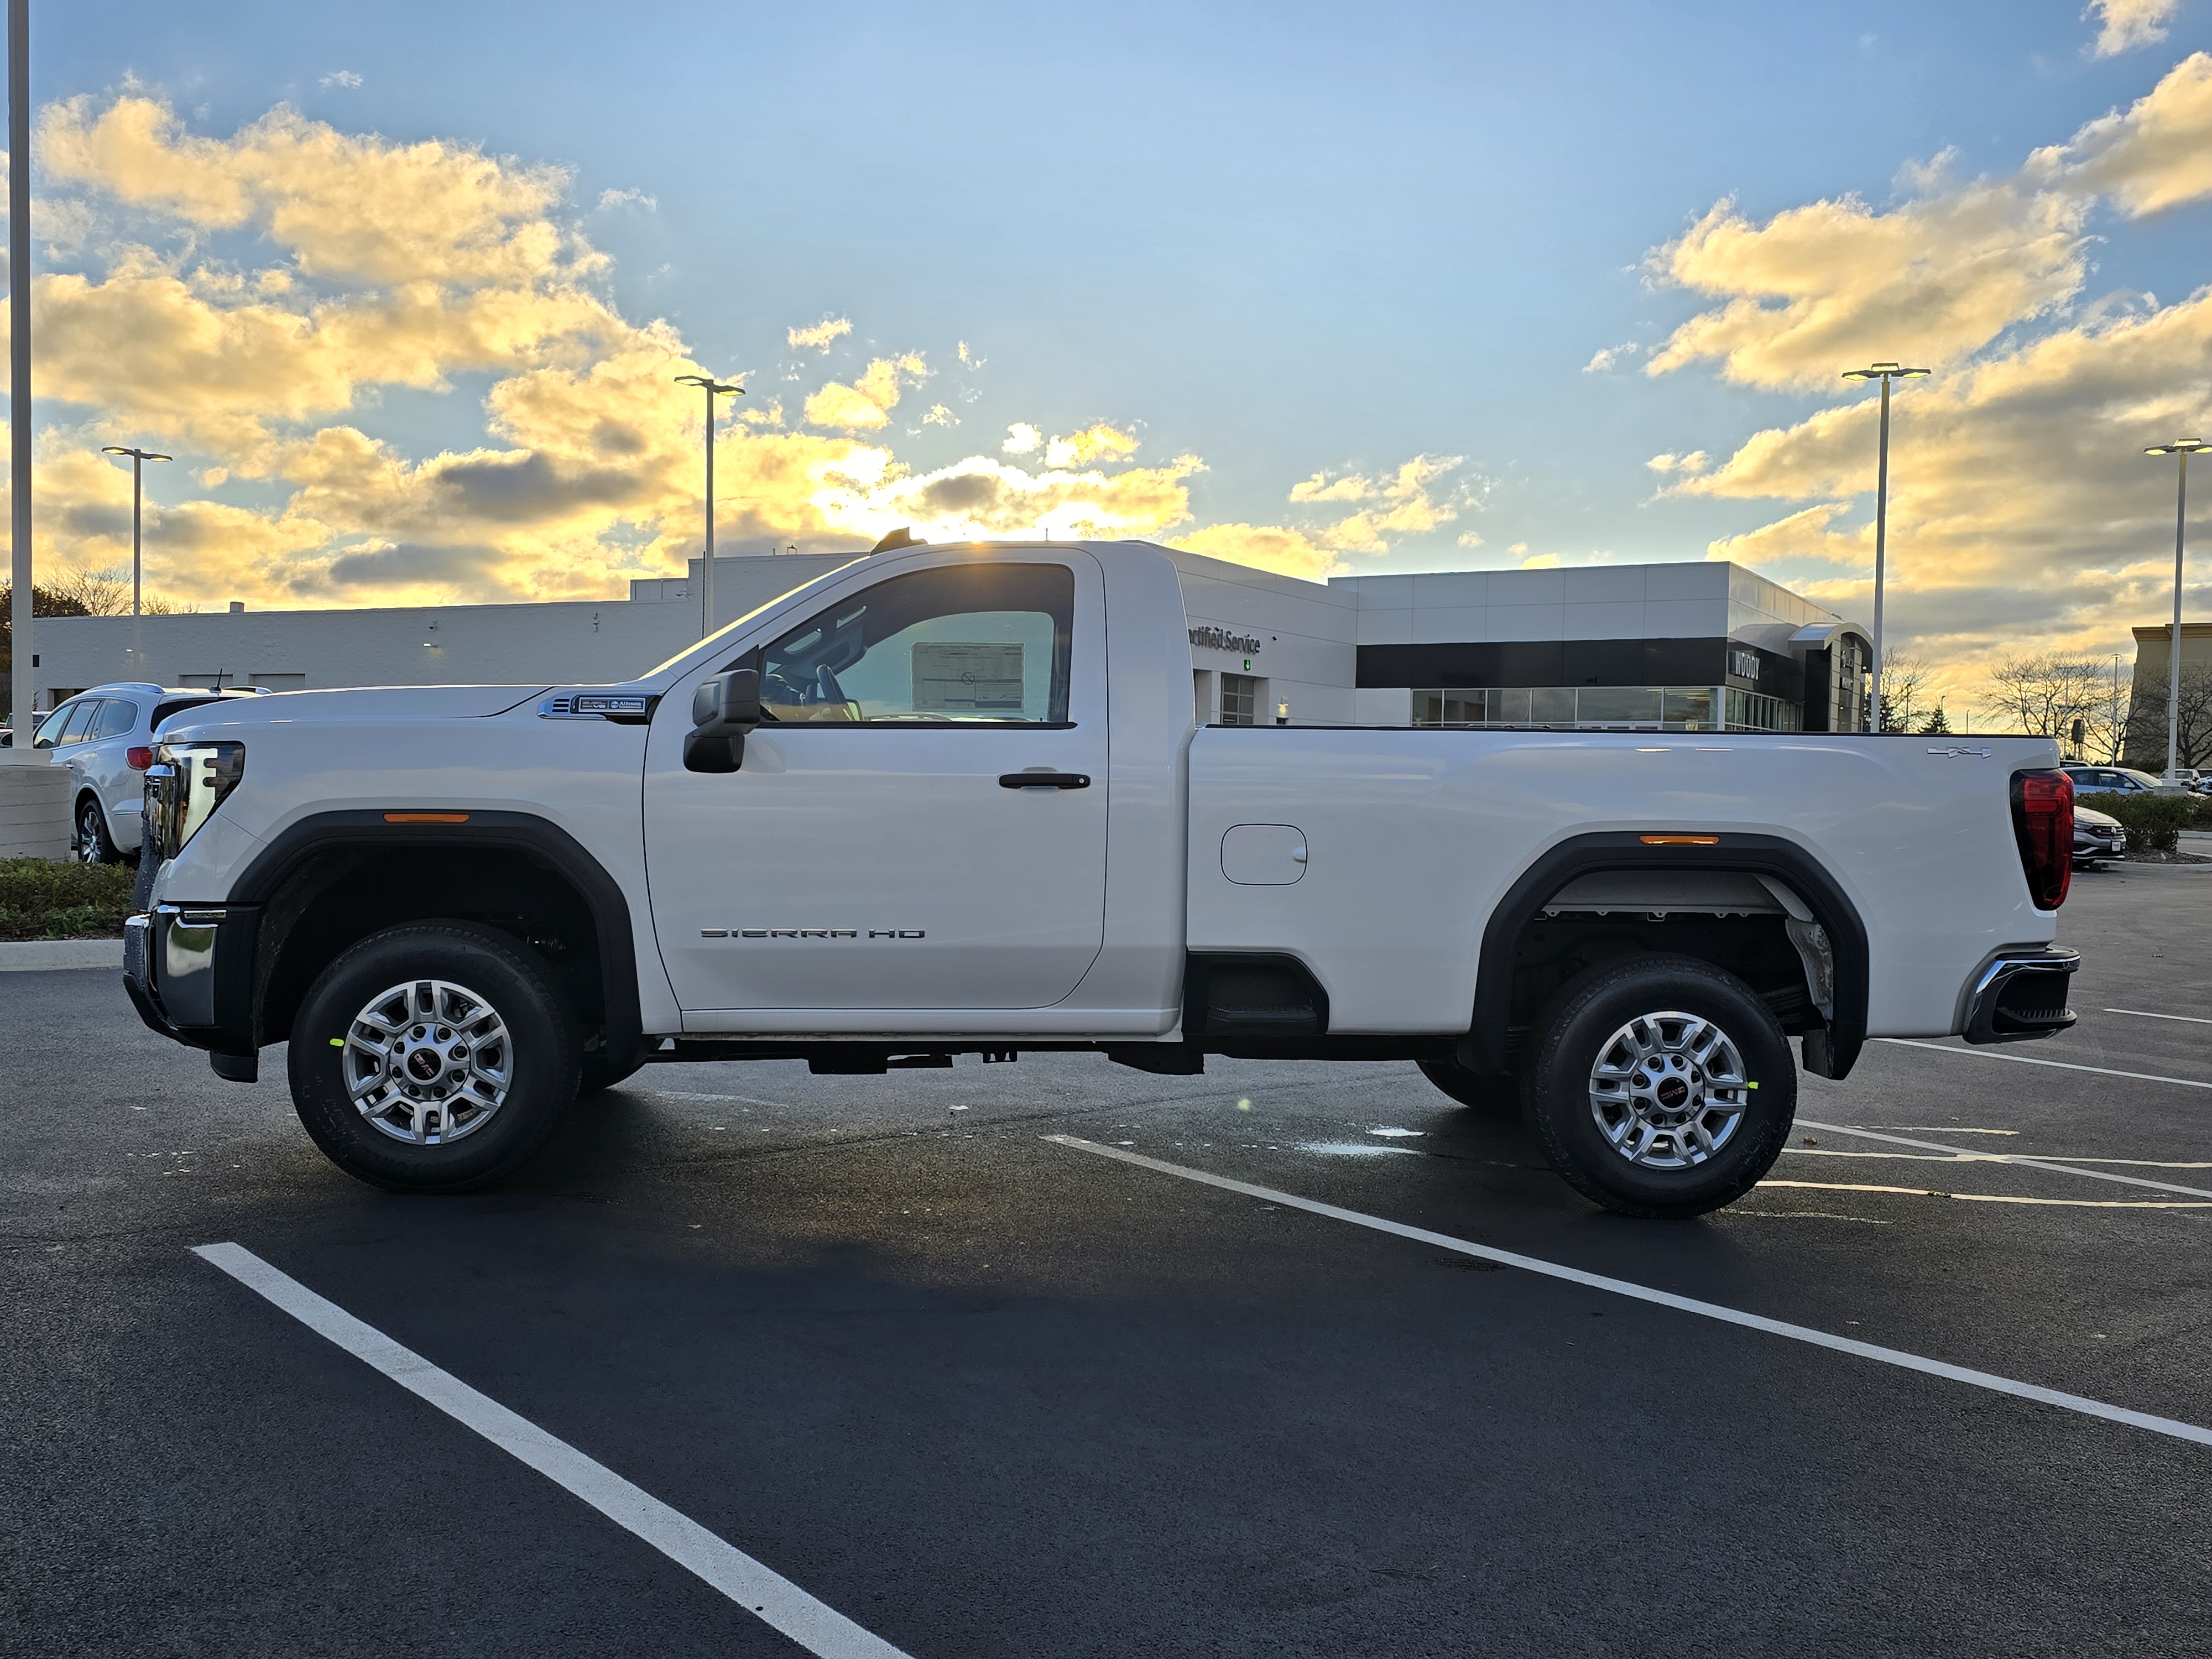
<point>2043,825</point>
<point>139,758</point>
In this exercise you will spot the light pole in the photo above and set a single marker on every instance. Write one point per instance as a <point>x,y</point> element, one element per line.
<point>19,367</point>
<point>1885,372</point>
<point>2183,447</point>
<point>713,388</point>
<point>138,459</point>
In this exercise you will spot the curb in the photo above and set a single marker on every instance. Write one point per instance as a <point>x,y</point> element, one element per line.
<point>44,955</point>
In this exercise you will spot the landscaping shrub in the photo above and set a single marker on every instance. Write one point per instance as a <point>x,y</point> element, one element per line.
<point>44,899</point>
<point>2154,822</point>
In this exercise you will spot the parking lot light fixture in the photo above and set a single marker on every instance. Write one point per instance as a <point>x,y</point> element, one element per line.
<point>1885,372</point>
<point>2182,448</point>
<point>138,459</point>
<point>714,388</point>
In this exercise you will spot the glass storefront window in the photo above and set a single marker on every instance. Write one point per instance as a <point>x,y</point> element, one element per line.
<point>1618,705</point>
<point>1672,708</point>
<point>1552,705</point>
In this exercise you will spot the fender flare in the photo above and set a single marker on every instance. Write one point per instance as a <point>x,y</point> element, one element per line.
<point>1748,855</point>
<point>322,832</point>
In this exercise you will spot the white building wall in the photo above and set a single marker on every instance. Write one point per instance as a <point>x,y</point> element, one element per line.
<point>1305,636</point>
<point>1306,651</point>
<point>583,642</point>
<point>1593,602</point>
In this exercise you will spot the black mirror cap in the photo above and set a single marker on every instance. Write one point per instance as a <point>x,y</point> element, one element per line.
<point>727,703</point>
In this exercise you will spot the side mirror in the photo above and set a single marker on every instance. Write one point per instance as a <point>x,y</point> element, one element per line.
<point>723,709</point>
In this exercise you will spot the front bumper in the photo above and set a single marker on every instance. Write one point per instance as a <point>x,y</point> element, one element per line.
<point>2019,994</point>
<point>189,970</point>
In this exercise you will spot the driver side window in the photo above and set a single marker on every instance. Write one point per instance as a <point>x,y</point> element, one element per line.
<point>958,646</point>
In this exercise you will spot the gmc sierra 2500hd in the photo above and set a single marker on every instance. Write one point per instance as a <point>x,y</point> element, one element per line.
<point>952,800</point>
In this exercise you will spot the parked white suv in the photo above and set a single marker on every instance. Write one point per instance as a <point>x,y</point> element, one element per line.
<point>106,738</point>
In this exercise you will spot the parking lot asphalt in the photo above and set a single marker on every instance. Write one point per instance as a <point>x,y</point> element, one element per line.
<point>988,1394</point>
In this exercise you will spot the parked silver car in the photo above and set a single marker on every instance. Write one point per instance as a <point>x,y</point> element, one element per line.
<point>2097,836</point>
<point>106,738</point>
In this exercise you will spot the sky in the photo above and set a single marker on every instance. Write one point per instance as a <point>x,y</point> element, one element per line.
<point>404,289</point>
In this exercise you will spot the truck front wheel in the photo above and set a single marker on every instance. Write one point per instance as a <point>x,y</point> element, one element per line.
<point>1661,1086</point>
<point>432,1057</point>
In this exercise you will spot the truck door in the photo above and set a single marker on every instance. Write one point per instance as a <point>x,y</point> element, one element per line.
<point>872,851</point>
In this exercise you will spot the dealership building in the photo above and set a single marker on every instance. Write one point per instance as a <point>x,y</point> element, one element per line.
<point>1700,646</point>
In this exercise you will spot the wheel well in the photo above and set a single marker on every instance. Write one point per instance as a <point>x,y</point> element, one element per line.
<point>342,894</point>
<point>1757,908</point>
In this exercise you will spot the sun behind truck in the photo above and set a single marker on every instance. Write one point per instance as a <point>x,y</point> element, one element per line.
<point>953,801</point>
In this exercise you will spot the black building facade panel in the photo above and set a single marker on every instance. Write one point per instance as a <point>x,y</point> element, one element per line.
<point>1555,662</point>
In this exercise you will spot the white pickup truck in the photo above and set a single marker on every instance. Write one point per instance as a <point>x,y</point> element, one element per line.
<point>953,801</point>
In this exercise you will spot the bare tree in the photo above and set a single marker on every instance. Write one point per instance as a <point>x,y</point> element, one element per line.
<point>107,593</point>
<point>2145,732</point>
<point>2045,695</point>
<point>1903,679</point>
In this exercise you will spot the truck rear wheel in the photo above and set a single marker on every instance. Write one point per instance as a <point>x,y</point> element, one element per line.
<point>1661,1086</point>
<point>432,1057</point>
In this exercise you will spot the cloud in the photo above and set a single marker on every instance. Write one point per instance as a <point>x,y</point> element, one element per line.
<point>820,334</point>
<point>1351,487</point>
<point>1690,465</point>
<point>2123,25</point>
<point>340,78</point>
<point>636,198</point>
<point>343,207</point>
<point>1089,445</point>
<point>2155,155</point>
<point>1266,547</point>
<point>2022,511</point>
<point>1819,288</point>
<point>268,287</point>
<point>867,402</point>
<point>1406,506</point>
<point>1536,561</point>
<point>1605,358</point>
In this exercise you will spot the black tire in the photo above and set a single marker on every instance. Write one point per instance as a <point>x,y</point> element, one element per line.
<point>93,844</point>
<point>476,1140</point>
<point>1654,1105</point>
<point>1499,1093</point>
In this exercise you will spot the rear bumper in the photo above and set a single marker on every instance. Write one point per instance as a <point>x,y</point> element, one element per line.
<point>2019,994</point>
<point>189,970</point>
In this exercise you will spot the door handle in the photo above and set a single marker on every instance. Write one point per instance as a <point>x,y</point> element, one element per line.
<point>1044,781</point>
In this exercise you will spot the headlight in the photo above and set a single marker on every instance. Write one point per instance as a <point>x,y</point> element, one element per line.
<point>186,784</point>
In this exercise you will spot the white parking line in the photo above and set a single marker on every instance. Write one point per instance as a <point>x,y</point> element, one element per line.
<point>2009,1157</point>
<point>815,1626</point>
<point>1897,1357</point>
<point>2029,1059</point>
<point>2144,1013</point>
<point>2001,1198</point>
